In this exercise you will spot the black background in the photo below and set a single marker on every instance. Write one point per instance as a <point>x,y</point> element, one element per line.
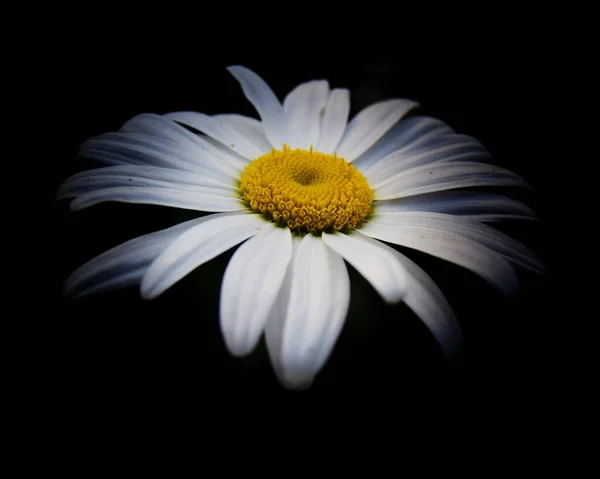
<point>116,352</point>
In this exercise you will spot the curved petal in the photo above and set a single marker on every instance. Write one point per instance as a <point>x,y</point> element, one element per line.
<point>123,265</point>
<point>133,176</point>
<point>251,285</point>
<point>474,205</point>
<point>334,121</point>
<point>251,128</point>
<point>266,103</point>
<point>428,302</point>
<point>303,107</point>
<point>157,126</point>
<point>135,148</point>
<point>512,250</point>
<point>163,128</point>
<point>317,307</point>
<point>227,133</point>
<point>452,148</point>
<point>378,266</point>
<point>276,319</point>
<point>203,198</point>
<point>370,124</point>
<point>445,176</point>
<point>209,238</point>
<point>450,246</point>
<point>409,134</point>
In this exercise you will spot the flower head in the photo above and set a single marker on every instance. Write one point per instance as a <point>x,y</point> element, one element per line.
<point>302,191</point>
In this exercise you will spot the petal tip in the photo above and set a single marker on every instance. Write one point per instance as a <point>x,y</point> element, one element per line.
<point>148,290</point>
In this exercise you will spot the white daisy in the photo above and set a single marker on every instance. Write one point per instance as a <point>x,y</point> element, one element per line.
<point>303,190</point>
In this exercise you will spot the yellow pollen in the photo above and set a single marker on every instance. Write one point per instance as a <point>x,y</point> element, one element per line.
<point>307,191</point>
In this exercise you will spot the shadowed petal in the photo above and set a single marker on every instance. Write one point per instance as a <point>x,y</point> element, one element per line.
<point>124,265</point>
<point>225,132</point>
<point>134,176</point>
<point>445,176</point>
<point>209,238</point>
<point>378,266</point>
<point>319,296</point>
<point>334,121</point>
<point>474,205</point>
<point>428,302</point>
<point>266,103</point>
<point>451,246</point>
<point>485,235</point>
<point>251,285</point>
<point>303,107</point>
<point>370,124</point>
<point>203,199</point>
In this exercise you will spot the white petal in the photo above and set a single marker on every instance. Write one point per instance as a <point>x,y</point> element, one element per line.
<point>203,199</point>
<point>218,150</point>
<point>134,175</point>
<point>474,205</point>
<point>370,125</point>
<point>212,236</point>
<point>303,107</point>
<point>251,285</point>
<point>277,316</point>
<point>251,128</point>
<point>378,266</point>
<point>135,148</point>
<point>266,103</point>
<point>226,133</point>
<point>428,302</point>
<point>445,176</point>
<point>451,148</point>
<point>450,246</point>
<point>512,250</point>
<point>123,265</point>
<point>318,303</point>
<point>408,135</point>
<point>334,121</point>
<point>162,128</point>
<point>182,139</point>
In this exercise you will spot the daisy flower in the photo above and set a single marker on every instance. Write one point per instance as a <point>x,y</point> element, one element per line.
<point>302,191</point>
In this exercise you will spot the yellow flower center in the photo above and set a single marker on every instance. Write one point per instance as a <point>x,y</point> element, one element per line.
<point>306,191</point>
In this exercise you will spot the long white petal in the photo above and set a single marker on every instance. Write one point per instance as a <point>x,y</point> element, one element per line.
<point>378,266</point>
<point>452,225</point>
<point>276,320</point>
<point>318,303</point>
<point>445,176</point>
<point>453,148</point>
<point>474,205</point>
<point>134,175</point>
<point>303,107</point>
<point>409,134</point>
<point>124,265</point>
<point>266,103</point>
<point>249,127</point>
<point>135,148</point>
<point>450,246</point>
<point>162,128</point>
<point>370,124</point>
<point>334,121</point>
<point>176,137</point>
<point>251,285</point>
<point>227,133</point>
<point>203,199</point>
<point>181,138</point>
<point>428,302</point>
<point>209,238</point>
